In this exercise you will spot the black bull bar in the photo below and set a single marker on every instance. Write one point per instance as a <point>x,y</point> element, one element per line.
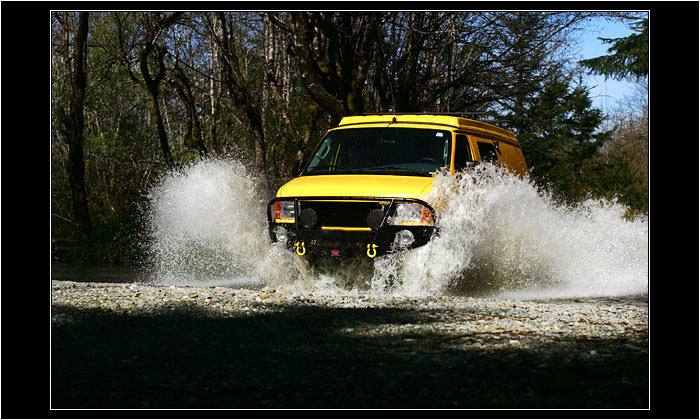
<point>357,234</point>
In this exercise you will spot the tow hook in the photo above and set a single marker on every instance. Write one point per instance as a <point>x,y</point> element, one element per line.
<point>300,248</point>
<point>371,250</point>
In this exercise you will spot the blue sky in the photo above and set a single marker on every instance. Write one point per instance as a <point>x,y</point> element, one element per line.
<point>604,93</point>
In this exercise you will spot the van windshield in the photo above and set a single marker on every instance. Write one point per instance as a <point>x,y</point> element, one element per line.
<point>385,150</point>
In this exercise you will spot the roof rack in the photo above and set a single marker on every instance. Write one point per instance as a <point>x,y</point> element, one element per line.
<point>464,114</point>
<point>497,121</point>
<point>453,114</point>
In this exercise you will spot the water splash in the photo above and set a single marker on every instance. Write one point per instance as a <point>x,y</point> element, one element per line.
<point>499,235</point>
<point>207,224</point>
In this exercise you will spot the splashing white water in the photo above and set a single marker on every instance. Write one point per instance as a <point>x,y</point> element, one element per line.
<point>208,227</point>
<point>498,235</point>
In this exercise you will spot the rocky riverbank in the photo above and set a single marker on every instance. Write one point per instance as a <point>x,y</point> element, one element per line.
<point>118,345</point>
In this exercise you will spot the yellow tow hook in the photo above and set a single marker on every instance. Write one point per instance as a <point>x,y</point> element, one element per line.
<point>300,249</point>
<point>371,252</point>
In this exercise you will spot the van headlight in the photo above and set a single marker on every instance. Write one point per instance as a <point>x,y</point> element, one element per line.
<point>411,214</point>
<point>284,211</point>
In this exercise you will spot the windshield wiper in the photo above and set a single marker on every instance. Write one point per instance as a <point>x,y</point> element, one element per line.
<point>342,168</point>
<point>400,168</point>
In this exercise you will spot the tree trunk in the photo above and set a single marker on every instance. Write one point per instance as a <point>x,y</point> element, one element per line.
<point>241,96</point>
<point>213,97</point>
<point>193,136</point>
<point>76,164</point>
<point>153,91</point>
<point>153,82</point>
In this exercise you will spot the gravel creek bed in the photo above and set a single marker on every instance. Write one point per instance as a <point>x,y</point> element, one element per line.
<point>136,345</point>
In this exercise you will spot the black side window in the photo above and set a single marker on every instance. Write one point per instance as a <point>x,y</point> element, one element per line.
<point>461,152</point>
<point>487,152</point>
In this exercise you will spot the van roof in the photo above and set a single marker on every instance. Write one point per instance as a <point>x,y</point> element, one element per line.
<point>429,119</point>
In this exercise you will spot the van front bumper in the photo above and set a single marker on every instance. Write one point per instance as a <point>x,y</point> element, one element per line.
<point>329,238</point>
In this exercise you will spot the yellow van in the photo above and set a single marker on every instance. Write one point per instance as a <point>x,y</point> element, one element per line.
<point>362,191</point>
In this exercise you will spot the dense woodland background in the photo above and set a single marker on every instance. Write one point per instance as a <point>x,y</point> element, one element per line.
<point>135,95</point>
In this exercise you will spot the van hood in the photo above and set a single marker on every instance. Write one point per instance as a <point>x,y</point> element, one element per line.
<point>357,186</point>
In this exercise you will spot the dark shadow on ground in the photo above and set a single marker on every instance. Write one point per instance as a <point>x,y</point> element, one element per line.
<point>301,358</point>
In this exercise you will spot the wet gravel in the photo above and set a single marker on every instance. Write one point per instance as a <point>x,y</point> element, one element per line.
<point>119,345</point>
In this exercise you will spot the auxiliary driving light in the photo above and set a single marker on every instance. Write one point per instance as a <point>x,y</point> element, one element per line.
<point>308,218</point>
<point>404,238</point>
<point>281,234</point>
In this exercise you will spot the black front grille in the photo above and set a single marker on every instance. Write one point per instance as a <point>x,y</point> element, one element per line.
<point>340,213</point>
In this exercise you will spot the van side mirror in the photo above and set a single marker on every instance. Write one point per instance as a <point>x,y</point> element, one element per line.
<point>297,167</point>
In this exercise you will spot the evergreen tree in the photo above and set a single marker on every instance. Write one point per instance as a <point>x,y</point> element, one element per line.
<point>558,133</point>
<point>629,55</point>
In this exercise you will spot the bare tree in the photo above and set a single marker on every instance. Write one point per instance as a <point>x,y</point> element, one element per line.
<point>234,78</point>
<point>73,124</point>
<point>151,82</point>
<point>278,69</point>
<point>334,51</point>
<point>193,134</point>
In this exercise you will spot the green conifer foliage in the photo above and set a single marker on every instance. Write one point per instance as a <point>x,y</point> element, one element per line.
<point>629,55</point>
